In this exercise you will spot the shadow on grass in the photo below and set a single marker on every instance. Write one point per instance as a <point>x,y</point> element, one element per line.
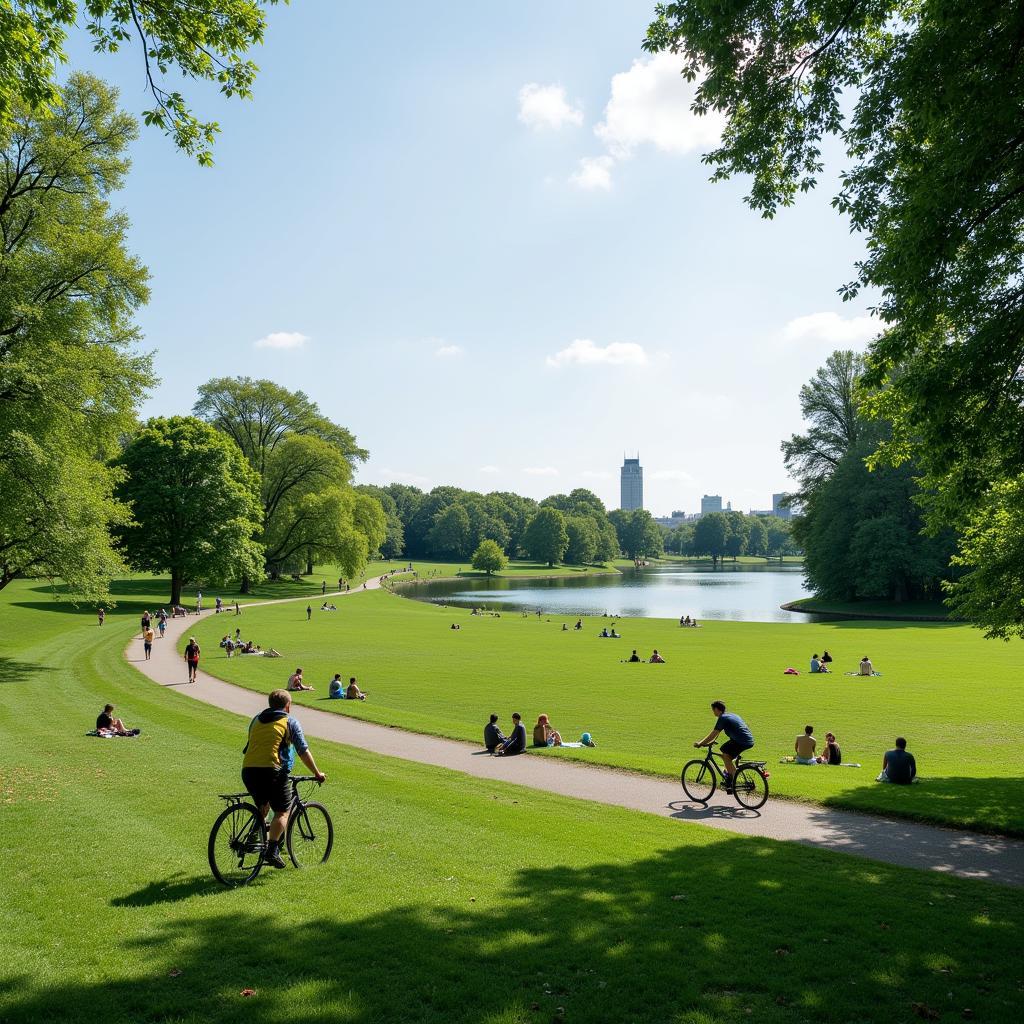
<point>14,671</point>
<point>694,935</point>
<point>986,805</point>
<point>171,890</point>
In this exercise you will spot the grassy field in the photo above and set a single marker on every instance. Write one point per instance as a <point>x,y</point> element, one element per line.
<point>448,899</point>
<point>941,686</point>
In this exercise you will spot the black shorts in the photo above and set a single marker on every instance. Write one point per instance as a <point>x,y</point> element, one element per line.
<point>734,748</point>
<point>268,786</point>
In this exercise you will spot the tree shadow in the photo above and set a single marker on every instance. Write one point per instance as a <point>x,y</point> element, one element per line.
<point>693,935</point>
<point>14,671</point>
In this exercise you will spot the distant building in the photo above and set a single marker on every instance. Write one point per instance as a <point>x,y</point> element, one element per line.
<point>780,510</point>
<point>710,503</point>
<point>631,486</point>
<point>677,518</point>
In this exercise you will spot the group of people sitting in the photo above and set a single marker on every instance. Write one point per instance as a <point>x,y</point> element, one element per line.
<point>898,765</point>
<point>107,725</point>
<point>610,633</point>
<point>654,659</point>
<point>806,749</point>
<point>337,690</point>
<point>236,645</point>
<point>544,735</point>
<point>823,665</point>
<point>687,622</point>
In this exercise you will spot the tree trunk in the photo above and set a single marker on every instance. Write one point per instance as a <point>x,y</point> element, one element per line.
<point>175,590</point>
<point>309,566</point>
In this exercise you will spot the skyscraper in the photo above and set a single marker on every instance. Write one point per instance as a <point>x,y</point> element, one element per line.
<point>631,492</point>
<point>710,503</point>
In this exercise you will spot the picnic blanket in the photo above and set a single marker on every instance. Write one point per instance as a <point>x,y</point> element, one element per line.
<point>113,735</point>
<point>857,674</point>
<point>844,764</point>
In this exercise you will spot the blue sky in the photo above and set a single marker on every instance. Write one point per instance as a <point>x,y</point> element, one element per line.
<point>486,234</point>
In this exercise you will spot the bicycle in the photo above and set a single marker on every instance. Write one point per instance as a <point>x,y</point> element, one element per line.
<point>701,777</point>
<point>238,839</point>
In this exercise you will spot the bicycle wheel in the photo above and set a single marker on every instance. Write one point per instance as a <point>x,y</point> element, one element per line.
<point>310,835</point>
<point>237,841</point>
<point>750,788</point>
<point>699,781</point>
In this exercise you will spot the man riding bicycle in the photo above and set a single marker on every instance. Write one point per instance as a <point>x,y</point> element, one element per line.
<point>740,738</point>
<point>274,739</point>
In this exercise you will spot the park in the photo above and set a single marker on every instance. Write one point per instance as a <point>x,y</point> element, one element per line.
<point>346,677</point>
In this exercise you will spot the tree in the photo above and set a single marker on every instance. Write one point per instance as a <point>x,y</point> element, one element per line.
<point>304,462</point>
<point>780,539</point>
<point>757,538</point>
<point>710,536</point>
<point>736,538</point>
<point>546,537</point>
<point>586,504</point>
<point>489,557</point>
<point>830,406</point>
<point>204,40</point>
<point>450,533</point>
<point>195,501</point>
<point>393,543</point>
<point>69,382</point>
<point>639,536</point>
<point>582,534</point>
<point>926,98</point>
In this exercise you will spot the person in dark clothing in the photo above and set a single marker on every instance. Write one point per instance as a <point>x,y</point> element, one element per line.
<point>898,766</point>
<point>493,736</point>
<point>516,743</point>
<point>634,657</point>
<point>740,738</point>
<point>831,754</point>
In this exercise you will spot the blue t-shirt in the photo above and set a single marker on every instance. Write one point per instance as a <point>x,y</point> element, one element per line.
<point>735,728</point>
<point>900,767</point>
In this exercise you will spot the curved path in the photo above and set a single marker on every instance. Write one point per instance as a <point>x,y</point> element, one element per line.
<point>892,840</point>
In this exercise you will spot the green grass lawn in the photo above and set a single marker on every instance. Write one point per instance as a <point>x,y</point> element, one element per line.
<point>952,693</point>
<point>448,899</point>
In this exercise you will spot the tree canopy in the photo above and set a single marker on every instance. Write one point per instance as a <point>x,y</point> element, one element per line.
<point>638,534</point>
<point>546,538</point>
<point>489,558</point>
<point>194,40</point>
<point>69,289</point>
<point>195,502</point>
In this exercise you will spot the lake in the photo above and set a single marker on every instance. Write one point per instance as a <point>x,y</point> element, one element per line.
<point>746,593</point>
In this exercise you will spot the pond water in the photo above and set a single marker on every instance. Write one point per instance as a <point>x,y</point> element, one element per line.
<point>748,593</point>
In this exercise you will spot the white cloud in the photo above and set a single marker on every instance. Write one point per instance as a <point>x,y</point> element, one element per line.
<point>831,329</point>
<point>448,351</point>
<point>649,105</point>
<point>489,470</point>
<point>671,474</point>
<point>583,352</point>
<point>596,474</point>
<point>540,471</point>
<point>594,172</point>
<point>282,339</point>
<point>546,106</point>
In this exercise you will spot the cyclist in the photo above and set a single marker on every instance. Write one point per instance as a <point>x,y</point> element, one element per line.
<point>274,739</point>
<point>740,739</point>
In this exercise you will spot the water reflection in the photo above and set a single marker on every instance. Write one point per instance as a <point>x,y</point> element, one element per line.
<point>747,593</point>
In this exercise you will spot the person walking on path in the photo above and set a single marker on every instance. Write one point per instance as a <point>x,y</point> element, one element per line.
<point>323,587</point>
<point>147,641</point>
<point>192,653</point>
<point>309,612</point>
<point>199,601</point>
<point>275,737</point>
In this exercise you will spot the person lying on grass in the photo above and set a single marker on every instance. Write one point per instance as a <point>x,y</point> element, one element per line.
<point>269,754</point>
<point>493,736</point>
<point>544,735</point>
<point>108,725</point>
<point>516,743</point>
<point>740,738</point>
<point>295,682</point>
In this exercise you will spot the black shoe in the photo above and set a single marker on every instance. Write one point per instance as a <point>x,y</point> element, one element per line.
<point>274,859</point>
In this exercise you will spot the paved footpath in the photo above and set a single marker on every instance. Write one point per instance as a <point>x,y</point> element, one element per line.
<point>892,840</point>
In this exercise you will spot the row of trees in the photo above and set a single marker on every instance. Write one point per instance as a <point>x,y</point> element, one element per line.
<point>731,534</point>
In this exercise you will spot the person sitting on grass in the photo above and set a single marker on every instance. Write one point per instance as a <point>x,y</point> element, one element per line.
<point>336,688</point>
<point>614,635</point>
<point>634,657</point>
<point>493,736</point>
<point>831,754</point>
<point>604,632</point>
<point>826,661</point>
<point>516,743</point>
<point>805,747</point>
<point>866,668</point>
<point>295,682</point>
<point>544,735</point>
<point>352,692</point>
<point>108,725</point>
<point>816,664</point>
<point>898,766</point>
<point>565,627</point>
<point>579,624</point>
<point>656,658</point>
<point>455,625</point>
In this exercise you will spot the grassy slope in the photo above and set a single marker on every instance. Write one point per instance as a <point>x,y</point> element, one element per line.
<point>448,899</point>
<point>952,693</point>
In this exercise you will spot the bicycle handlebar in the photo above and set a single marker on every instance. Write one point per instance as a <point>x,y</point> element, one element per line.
<point>306,778</point>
